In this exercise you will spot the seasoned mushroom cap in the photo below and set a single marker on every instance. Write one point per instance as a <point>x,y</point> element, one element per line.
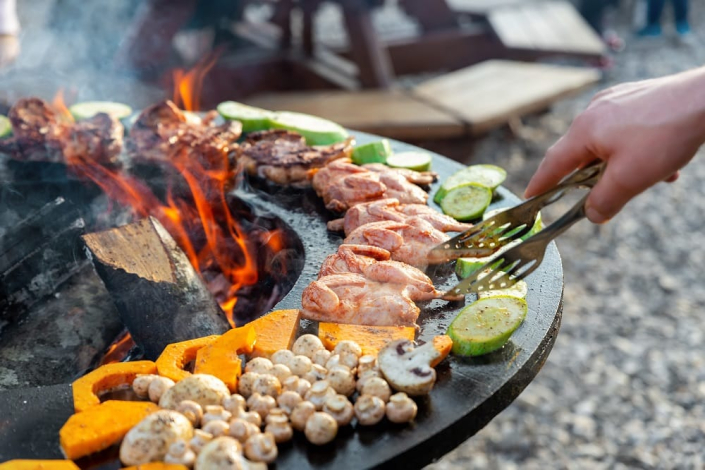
<point>150,439</point>
<point>202,388</point>
<point>222,453</point>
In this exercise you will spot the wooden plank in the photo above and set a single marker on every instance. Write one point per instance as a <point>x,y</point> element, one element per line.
<point>550,26</point>
<point>480,7</point>
<point>489,94</point>
<point>391,113</point>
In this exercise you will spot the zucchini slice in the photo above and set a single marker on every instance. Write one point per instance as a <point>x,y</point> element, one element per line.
<point>5,127</point>
<point>88,109</point>
<point>417,161</point>
<point>467,202</point>
<point>466,266</point>
<point>487,175</point>
<point>486,325</point>
<point>374,152</point>
<point>316,130</point>
<point>537,227</point>
<point>252,119</point>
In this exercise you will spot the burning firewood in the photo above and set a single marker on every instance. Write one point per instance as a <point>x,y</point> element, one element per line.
<point>158,293</point>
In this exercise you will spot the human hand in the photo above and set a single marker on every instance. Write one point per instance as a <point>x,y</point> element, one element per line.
<point>646,131</point>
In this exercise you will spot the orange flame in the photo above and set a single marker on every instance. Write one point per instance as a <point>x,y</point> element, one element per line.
<point>119,349</point>
<point>59,106</point>
<point>188,84</point>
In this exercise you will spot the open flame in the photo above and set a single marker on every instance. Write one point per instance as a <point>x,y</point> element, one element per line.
<point>59,106</point>
<point>200,219</point>
<point>189,83</point>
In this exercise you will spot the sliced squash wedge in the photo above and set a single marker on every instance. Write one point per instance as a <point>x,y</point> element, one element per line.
<point>101,426</point>
<point>87,389</point>
<point>175,356</point>
<point>157,466</point>
<point>276,330</point>
<point>220,358</point>
<point>38,465</point>
<point>370,338</point>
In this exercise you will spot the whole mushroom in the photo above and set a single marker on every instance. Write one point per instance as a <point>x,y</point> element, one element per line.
<point>150,439</point>
<point>222,453</point>
<point>340,408</point>
<point>369,410</point>
<point>301,413</point>
<point>199,440</point>
<point>288,400</point>
<point>179,453</point>
<point>259,365</point>
<point>280,371</point>
<point>349,352</point>
<point>315,374</point>
<point>320,357</point>
<point>141,384</point>
<point>242,430</point>
<point>252,417</point>
<point>409,369</point>
<point>342,380</point>
<point>283,357</point>
<point>365,376</point>
<point>261,448</point>
<point>215,413</point>
<point>216,428</point>
<point>246,383</point>
<point>267,385</point>
<point>300,365</point>
<point>319,393</point>
<point>296,384</point>
<point>321,428</point>
<point>307,345</point>
<point>261,404</point>
<point>377,387</point>
<point>365,363</point>
<point>203,389</point>
<point>158,386</point>
<point>192,410</point>
<point>401,408</point>
<point>234,404</point>
<point>279,427</point>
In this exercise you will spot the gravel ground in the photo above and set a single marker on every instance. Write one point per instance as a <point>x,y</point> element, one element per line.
<point>625,384</point>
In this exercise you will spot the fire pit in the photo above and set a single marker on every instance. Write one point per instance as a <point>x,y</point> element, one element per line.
<point>467,395</point>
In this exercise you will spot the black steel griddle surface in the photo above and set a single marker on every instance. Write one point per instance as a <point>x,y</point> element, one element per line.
<point>467,395</point>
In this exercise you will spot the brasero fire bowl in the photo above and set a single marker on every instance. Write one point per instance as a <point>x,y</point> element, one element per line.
<point>468,393</point>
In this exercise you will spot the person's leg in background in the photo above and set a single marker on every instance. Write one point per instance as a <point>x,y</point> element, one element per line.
<point>653,18</point>
<point>9,30</point>
<point>593,11</point>
<point>680,12</point>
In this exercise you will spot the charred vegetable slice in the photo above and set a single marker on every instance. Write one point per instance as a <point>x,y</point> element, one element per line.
<point>88,109</point>
<point>490,176</point>
<point>252,118</point>
<point>373,152</point>
<point>87,389</point>
<point>276,330</point>
<point>101,426</point>
<point>5,127</point>
<point>316,130</point>
<point>466,202</point>
<point>173,359</point>
<point>417,161</point>
<point>486,325</point>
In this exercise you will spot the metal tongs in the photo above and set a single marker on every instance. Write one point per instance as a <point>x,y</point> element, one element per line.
<point>506,268</point>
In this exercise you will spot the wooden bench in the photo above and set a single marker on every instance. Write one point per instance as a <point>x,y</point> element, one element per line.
<point>391,113</point>
<point>492,93</point>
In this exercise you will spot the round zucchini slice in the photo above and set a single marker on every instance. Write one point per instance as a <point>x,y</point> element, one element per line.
<point>88,109</point>
<point>416,161</point>
<point>316,130</point>
<point>5,127</point>
<point>252,118</point>
<point>486,325</point>
<point>486,175</point>
<point>467,202</point>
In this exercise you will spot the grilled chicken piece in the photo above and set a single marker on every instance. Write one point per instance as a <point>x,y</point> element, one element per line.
<point>283,157</point>
<point>39,135</point>
<point>392,210</point>
<point>408,242</point>
<point>353,299</point>
<point>375,265</point>
<point>162,131</point>
<point>421,178</point>
<point>343,184</point>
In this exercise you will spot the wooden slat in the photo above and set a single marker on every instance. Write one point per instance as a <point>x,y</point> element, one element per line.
<point>550,26</point>
<point>480,7</point>
<point>391,113</point>
<point>489,94</point>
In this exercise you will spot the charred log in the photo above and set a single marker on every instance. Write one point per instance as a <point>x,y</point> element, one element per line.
<point>160,297</point>
<point>36,257</point>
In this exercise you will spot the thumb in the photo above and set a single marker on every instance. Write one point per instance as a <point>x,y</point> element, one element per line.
<point>610,195</point>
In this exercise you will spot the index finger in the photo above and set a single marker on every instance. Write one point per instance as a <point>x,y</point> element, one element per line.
<point>566,155</point>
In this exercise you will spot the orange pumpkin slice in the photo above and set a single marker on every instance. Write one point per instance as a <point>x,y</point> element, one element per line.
<point>442,344</point>
<point>38,465</point>
<point>276,330</point>
<point>175,356</point>
<point>157,466</point>
<point>370,338</point>
<point>101,426</point>
<point>105,378</point>
<point>220,358</point>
